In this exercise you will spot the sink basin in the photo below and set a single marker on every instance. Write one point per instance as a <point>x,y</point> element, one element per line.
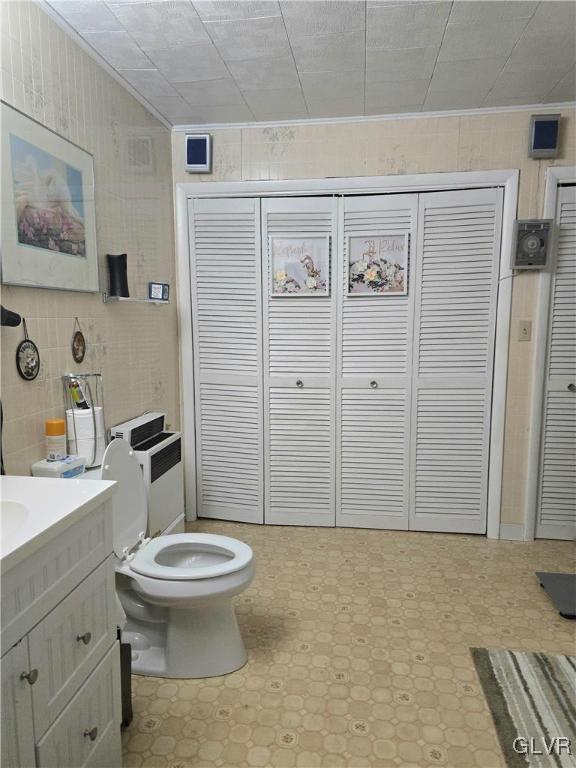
<point>13,516</point>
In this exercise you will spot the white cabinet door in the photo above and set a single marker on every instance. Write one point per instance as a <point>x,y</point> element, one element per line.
<point>87,733</point>
<point>456,295</point>
<point>299,368</point>
<point>226,325</point>
<point>17,735</point>
<point>374,372</point>
<point>557,491</point>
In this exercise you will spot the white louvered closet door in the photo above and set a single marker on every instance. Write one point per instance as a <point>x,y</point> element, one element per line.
<point>225,263</point>
<point>374,381</point>
<point>299,352</point>
<point>456,296</point>
<point>557,489</point>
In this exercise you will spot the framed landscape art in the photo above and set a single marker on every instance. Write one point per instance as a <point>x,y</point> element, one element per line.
<point>48,210</point>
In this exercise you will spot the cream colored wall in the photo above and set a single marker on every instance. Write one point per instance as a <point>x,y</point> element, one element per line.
<point>421,145</point>
<point>46,75</point>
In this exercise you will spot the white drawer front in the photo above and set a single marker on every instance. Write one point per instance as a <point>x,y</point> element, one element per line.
<point>70,641</point>
<point>33,587</point>
<point>87,733</point>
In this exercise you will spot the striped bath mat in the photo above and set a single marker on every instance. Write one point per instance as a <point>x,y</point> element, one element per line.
<point>532,698</point>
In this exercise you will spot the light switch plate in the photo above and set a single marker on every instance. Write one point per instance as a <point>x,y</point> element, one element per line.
<point>525,330</point>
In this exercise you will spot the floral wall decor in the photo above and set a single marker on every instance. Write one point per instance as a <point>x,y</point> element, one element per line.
<point>378,264</point>
<point>300,266</point>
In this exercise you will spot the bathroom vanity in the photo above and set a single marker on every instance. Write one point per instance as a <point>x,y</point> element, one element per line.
<point>60,668</point>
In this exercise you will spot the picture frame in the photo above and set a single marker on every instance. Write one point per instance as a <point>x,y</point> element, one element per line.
<point>48,216</point>
<point>378,264</point>
<point>299,266</point>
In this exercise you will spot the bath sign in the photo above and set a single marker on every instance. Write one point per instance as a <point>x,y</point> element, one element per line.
<point>378,265</point>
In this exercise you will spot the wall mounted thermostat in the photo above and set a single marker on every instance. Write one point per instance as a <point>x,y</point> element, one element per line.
<point>198,152</point>
<point>532,243</point>
<point>158,291</point>
<point>544,134</point>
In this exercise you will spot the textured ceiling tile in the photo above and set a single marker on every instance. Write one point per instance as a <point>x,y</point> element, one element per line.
<point>481,11</point>
<point>329,53</point>
<point>565,89</point>
<point>306,18</point>
<point>211,93</point>
<point>475,74</point>
<point>149,82</point>
<point>398,65</point>
<point>173,107</point>
<point>187,64</point>
<point>455,99</point>
<point>87,17</point>
<point>235,113</point>
<point>161,24</point>
<point>344,107</point>
<point>555,16</point>
<point>396,95</point>
<point>252,38</point>
<point>412,25</point>
<point>533,85</point>
<point>268,74</point>
<point>482,41</point>
<point>543,50</point>
<point>225,10</point>
<point>283,98</point>
<point>118,49</point>
<point>332,85</point>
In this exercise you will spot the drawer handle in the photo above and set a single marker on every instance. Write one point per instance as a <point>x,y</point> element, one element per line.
<point>374,384</point>
<point>571,387</point>
<point>299,383</point>
<point>85,638</point>
<point>92,733</point>
<point>31,676</point>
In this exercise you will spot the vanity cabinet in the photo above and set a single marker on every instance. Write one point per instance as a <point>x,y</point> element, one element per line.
<point>61,700</point>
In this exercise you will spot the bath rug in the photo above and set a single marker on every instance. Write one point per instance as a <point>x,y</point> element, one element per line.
<point>532,699</point>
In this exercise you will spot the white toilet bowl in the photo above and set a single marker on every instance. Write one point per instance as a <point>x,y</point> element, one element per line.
<point>177,589</point>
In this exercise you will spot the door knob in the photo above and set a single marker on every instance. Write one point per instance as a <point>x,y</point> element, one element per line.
<point>85,638</point>
<point>92,733</point>
<point>572,387</point>
<point>374,384</point>
<point>31,676</point>
<point>299,383</point>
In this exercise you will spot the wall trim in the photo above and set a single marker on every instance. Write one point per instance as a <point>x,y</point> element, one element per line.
<point>508,179</point>
<point>555,177</point>
<point>511,532</point>
<point>534,108</point>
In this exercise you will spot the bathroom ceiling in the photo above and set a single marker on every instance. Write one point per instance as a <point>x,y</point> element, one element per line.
<point>220,61</point>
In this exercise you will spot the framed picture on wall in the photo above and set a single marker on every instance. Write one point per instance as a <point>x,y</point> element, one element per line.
<point>378,265</point>
<point>48,209</point>
<point>300,266</point>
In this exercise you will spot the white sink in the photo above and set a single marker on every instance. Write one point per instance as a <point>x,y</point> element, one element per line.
<point>13,515</point>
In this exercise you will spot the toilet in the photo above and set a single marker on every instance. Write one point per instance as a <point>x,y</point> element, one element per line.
<point>176,590</point>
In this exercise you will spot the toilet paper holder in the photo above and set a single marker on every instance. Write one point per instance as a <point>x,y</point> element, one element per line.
<point>84,409</point>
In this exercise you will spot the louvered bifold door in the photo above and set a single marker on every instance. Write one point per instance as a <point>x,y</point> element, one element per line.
<point>374,370</point>
<point>299,352</point>
<point>227,337</point>
<point>557,489</point>
<point>456,294</point>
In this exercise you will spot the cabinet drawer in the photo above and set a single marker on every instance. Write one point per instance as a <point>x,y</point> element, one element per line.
<point>66,645</point>
<point>87,733</point>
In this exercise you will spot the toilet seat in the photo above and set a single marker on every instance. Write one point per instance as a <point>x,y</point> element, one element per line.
<point>195,556</point>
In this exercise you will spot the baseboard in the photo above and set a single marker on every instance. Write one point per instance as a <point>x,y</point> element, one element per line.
<point>511,532</point>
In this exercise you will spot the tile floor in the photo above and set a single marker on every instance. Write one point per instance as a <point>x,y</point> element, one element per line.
<point>358,653</point>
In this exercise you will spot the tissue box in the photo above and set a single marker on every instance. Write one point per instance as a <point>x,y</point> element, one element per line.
<point>71,466</point>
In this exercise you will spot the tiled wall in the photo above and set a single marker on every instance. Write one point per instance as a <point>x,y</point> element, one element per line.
<point>422,145</point>
<point>46,75</point>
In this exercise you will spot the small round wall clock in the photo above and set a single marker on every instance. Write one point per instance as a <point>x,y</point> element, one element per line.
<point>78,343</point>
<point>27,357</point>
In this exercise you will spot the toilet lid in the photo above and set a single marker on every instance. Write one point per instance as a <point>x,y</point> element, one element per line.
<point>129,503</point>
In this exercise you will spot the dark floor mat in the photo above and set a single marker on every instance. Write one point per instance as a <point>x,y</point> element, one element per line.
<point>561,589</point>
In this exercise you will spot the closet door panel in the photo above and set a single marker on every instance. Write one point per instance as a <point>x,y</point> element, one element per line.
<point>299,354</point>
<point>227,337</point>
<point>374,375</point>
<point>556,517</point>
<point>456,294</point>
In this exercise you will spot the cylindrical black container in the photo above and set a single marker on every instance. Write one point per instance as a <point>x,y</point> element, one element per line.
<point>117,274</point>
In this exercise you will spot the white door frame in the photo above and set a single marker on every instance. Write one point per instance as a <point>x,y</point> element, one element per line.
<point>555,176</point>
<point>426,182</point>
